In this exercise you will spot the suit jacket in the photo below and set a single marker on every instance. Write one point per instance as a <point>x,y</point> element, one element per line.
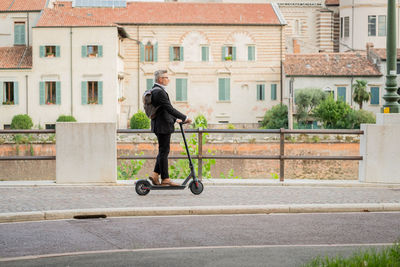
<point>166,115</point>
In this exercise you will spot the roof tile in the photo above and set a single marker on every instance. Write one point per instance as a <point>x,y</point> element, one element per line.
<point>16,57</point>
<point>22,5</point>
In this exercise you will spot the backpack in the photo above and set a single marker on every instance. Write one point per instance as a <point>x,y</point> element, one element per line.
<point>149,109</point>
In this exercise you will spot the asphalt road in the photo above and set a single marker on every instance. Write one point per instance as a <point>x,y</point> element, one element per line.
<point>238,240</point>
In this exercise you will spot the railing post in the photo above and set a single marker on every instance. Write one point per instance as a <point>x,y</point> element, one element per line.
<point>282,154</point>
<point>200,154</point>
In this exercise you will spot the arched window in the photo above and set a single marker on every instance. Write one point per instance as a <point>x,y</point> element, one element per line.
<point>149,52</point>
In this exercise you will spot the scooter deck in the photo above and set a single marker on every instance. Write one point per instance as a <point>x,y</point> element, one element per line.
<point>161,187</point>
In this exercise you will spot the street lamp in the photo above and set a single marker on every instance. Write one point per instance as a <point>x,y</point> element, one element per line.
<point>391,97</point>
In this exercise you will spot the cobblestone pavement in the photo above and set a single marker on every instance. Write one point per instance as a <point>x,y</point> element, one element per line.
<point>42,198</point>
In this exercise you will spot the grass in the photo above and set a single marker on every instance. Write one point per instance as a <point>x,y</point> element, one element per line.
<point>387,257</point>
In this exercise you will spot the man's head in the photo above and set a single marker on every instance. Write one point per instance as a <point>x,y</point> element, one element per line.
<point>161,77</point>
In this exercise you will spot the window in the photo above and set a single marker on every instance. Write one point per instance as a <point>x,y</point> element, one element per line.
<point>224,85</point>
<point>251,53</point>
<point>346,26</point>
<point>273,91</point>
<point>50,93</point>
<point>382,25</point>
<point>341,27</point>
<point>92,51</point>
<point>341,93</point>
<point>49,51</point>
<point>148,52</point>
<point>374,95</point>
<point>92,92</point>
<point>9,93</point>
<point>228,53</point>
<point>260,91</point>
<point>181,89</point>
<point>19,33</point>
<point>371,25</point>
<point>149,83</point>
<point>176,53</point>
<point>205,56</point>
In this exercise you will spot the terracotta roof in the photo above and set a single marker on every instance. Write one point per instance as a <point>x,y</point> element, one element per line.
<point>381,52</point>
<point>182,13</point>
<point>329,64</point>
<point>22,5</point>
<point>332,2</point>
<point>16,57</point>
<point>67,17</point>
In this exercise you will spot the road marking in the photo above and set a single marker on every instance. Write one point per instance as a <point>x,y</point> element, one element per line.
<point>32,257</point>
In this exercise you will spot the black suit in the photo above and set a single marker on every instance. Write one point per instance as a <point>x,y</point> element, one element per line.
<point>163,126</point>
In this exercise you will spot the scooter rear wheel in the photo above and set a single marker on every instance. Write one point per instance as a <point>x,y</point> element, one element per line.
<point>142,187</point>
<point>196,189</point>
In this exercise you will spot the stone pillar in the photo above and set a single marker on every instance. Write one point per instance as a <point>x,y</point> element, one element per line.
<point>86,152</point>
<point>380,148</point>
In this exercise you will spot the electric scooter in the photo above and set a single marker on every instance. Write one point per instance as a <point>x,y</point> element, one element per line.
<point>144,186</point>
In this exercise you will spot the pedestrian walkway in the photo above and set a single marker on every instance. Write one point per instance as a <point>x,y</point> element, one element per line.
<point>39,200</point>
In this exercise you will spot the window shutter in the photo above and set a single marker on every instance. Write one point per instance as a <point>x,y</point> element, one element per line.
<point>41,51</point>
<point>184,89</point>
<point>342,93</point>
<point>258,91</point>
<point>171,53</point>
<point>84,51</point>
<point>57,51</point>
<point>178,89</point>
<point>155,56</point>
<point>221,89</point>
<point>181,53</point>
<point>58,93</point>
<point>84,93</point>
<point>227,89</point>
<point>251,53</point>
<point>42,94</point>
<point>1,93</point>
<point>204,53</point>
<point>141,48</point>
<point>19,34</point>
<point>149,84</point>
<point>100,51</point>
<point>100,93</point>
<point>273,91</point>
<point>16,93</point>
<point>374,95</point>
<point>233,53</point>
<point>223,53</point>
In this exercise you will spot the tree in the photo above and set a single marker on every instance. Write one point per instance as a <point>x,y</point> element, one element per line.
<point>360,93</point>
<point>276,117</point>
<point>333,114</point>
<point>306,100</point>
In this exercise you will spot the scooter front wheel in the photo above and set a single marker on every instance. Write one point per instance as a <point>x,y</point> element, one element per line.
<point>142,187</point>
<point>196,187</point>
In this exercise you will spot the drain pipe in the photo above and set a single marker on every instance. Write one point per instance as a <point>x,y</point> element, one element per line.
<point>71,79</point>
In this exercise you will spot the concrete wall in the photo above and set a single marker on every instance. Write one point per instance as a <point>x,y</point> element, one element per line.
<point>86,153</point>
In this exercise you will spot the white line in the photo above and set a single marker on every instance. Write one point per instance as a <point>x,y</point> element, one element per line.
<point>186,248</point>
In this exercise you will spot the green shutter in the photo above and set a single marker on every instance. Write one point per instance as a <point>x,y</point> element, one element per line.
<point>227,89</point>
<point>223,53</point>
<point>84,92</point>
<point>84,51</point>
<point>260,91</point>
<point>273,91</point>
<point>57,51</point>
<point>205,53</point>
<point>42,94</point>
<point>149,84</point>
<point>341,93</point>
<point>178,89</point>
<point>374,95</point>
<point>181,53</point>
<point>1,93</point>
<point>42,50</point>
<point>58,93</point>
<point>19,34</point>
<point>155,52</point>
<point>233,53</point>
<point>100,92</point>
<point>184,89</point>
<point>221,89</point>
<point>16,93</point>
<point>99,51</point>
<point>171,53</point>
<point>251,53</point>
<point>141,48</point>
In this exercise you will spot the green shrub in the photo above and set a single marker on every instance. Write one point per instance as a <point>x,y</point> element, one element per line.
<point>66,118</point>
<point>333,114</point>
<point>276,118</point>
<point>358,117</point>
<point>21,121</point>
<point>140,121</point>
<point>200,121</point>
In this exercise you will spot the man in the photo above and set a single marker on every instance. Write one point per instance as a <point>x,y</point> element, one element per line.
<point>163,126</point>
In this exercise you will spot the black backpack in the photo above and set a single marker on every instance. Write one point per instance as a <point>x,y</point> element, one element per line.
<point>149,109</point>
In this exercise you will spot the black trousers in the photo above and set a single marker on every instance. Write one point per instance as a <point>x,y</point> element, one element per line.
<point>164,141</point>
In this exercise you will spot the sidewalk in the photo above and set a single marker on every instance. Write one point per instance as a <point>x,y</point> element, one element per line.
<point>46,200</point>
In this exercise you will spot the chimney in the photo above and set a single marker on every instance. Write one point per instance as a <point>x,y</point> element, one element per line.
<point>370,47</point>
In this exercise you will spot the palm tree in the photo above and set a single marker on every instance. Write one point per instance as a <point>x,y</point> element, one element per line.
<point>360,93</point>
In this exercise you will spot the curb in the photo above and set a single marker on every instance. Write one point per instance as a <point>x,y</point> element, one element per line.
<point>198,210</point>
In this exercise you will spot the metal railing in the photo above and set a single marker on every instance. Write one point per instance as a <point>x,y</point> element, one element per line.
<point>281,157</point>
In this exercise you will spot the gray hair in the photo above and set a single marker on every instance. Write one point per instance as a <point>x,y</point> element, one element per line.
<point>158,74</point>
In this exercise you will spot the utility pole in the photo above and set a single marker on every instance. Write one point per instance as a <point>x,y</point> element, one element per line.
<point>391,97</point>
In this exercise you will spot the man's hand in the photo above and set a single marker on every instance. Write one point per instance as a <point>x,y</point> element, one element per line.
<point>188,120</point>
